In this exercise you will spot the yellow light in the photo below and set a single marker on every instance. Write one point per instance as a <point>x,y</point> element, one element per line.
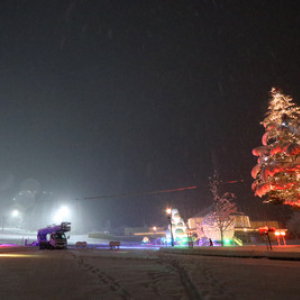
<point>17,255</point>
<point>168,211</point>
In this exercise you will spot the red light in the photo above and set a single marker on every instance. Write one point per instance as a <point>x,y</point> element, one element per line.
<point>263,230</point>
<point>280,232</point>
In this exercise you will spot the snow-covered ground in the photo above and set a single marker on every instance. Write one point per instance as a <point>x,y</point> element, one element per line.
<point>91,273</point>
<point>99,273</point>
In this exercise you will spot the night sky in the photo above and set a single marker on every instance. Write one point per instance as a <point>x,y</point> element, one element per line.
<point>110,96</point>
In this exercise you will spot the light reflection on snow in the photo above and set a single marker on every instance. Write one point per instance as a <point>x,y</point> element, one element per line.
<point>18,255</point>
<point>8,245</point>
<point>126,247</point>
<point>139,247</point>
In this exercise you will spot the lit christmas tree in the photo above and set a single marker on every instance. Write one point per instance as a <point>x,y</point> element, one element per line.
<point>277,174</point>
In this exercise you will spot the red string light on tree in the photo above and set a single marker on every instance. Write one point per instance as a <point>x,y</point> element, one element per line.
<point>277,173</point>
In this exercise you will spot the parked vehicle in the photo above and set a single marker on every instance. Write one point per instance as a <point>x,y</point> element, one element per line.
<point>53,237</point>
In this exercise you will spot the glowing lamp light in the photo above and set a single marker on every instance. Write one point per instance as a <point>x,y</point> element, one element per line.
<point>15,213</point>
<point>64,210</point>
<point>145,240</point>
<point>62,214</point>
<point>168,211</point>
<point>280,233</point>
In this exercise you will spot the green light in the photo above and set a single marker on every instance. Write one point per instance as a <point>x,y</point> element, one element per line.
<point>227,242</point>
<point>184,240</point>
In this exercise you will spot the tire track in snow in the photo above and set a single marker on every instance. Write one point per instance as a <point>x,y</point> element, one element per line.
<point>199,281</point>
<point>186,281</point>
<point>103,277</point>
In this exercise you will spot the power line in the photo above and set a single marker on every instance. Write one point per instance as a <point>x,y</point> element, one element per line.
<point>133,194</point>
<point>234,181</point>
<point>139,193</point>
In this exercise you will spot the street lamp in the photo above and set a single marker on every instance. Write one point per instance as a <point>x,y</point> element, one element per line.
<point>169,216</point>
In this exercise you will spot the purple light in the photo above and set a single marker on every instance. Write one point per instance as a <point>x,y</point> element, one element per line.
<point>140,247</point>
<point>130,247</point>
<point>8,245</point>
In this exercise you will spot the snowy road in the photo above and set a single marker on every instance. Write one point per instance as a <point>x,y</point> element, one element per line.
<point>29,273</point>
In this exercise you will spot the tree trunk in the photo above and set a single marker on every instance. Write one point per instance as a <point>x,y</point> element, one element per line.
<point>221,232</point>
